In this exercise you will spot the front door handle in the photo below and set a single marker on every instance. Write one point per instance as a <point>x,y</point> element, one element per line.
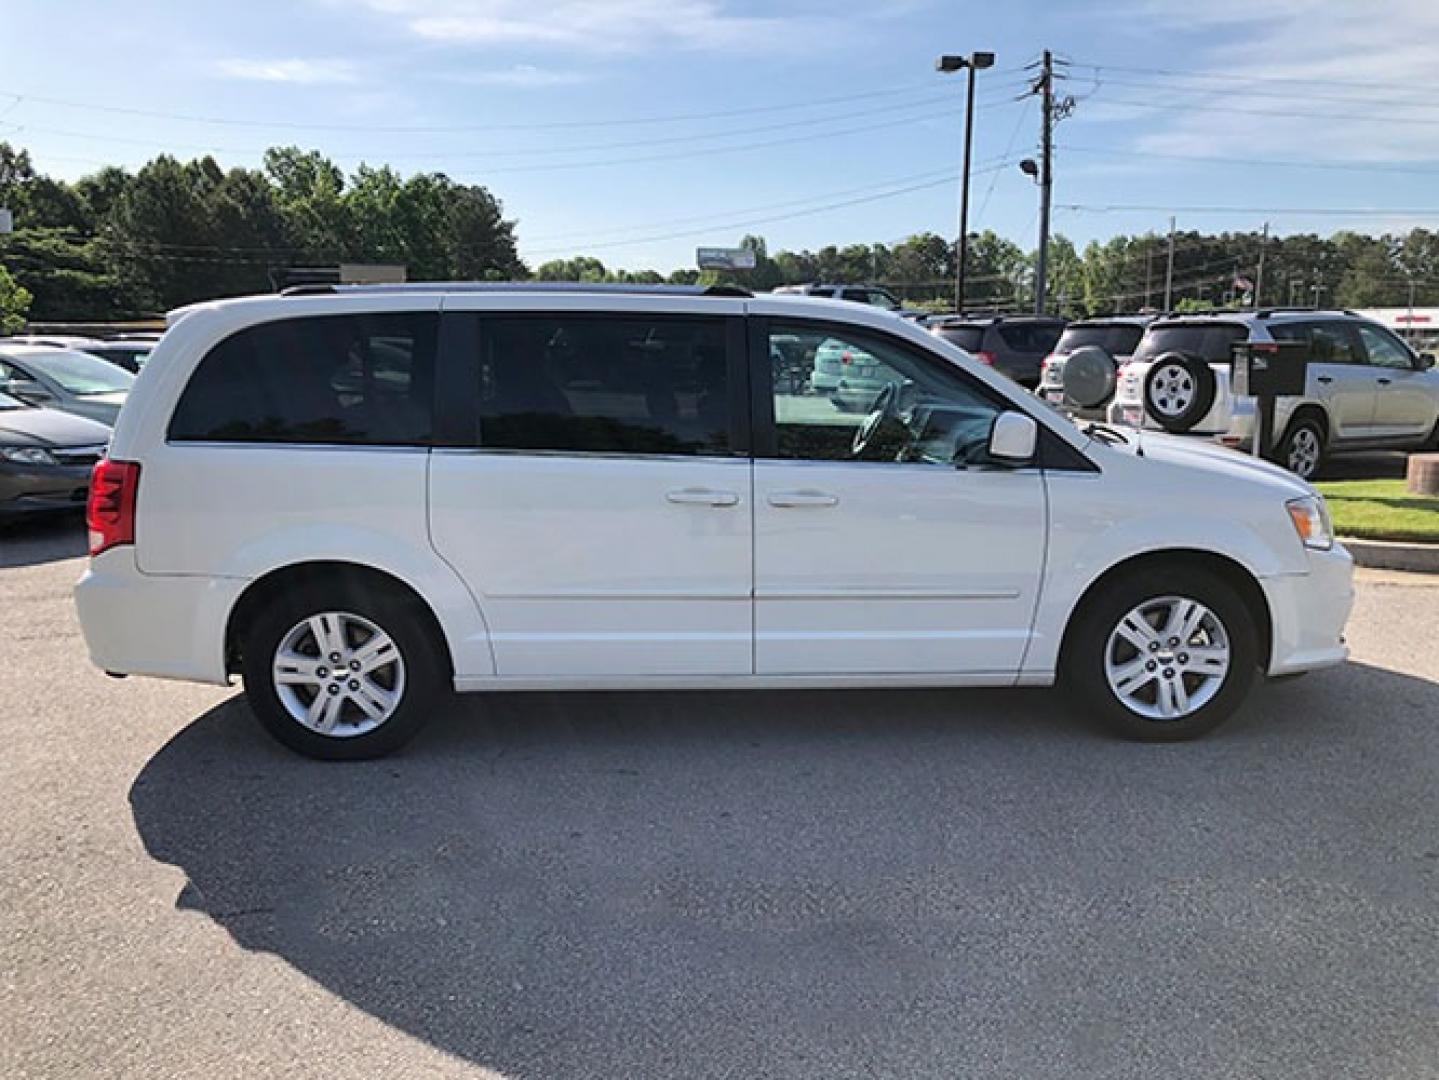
<point>803,498</point>
<point>1385,381</point>
<point>1326,379</point>
<point>702,497</point>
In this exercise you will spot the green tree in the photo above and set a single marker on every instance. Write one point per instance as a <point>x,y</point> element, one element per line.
<point>14,303</point>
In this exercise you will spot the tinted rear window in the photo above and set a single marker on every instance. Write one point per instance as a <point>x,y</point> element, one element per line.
<point>1036,338</point>
<point>604,385</point>
<point>348,379</point>
<point>1118,339</point>
<point>1208,341</point>
<point>968,338</point>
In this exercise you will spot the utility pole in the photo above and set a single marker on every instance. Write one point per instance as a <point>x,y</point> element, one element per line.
<point>1148,266</point>
<point>1046,178</point>
<point>1318,290</point>
<point>1259,274</point>
<point>1169,272</point>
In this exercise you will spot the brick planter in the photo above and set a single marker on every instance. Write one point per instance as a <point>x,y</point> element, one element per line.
<point>1423,475</point>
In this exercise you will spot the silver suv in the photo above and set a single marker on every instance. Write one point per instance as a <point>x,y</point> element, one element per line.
<point>1366,389</point>
<point>1115,335</point>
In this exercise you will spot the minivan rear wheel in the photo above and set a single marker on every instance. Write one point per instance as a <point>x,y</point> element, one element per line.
<point>1162,656</point>
<point>340,675</point>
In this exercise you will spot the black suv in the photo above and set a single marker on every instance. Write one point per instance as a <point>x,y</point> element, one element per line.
<point>1013,344</point>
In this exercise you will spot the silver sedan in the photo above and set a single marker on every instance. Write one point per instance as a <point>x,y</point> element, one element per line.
<point>73,382</point>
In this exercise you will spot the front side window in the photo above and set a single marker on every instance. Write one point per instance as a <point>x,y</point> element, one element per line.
<point>1383,349</point>
<point>595,384</point>
<point>341,379</point>
<point>872,398</point>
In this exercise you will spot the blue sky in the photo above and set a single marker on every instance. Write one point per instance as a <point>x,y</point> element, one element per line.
<point>637,129</point>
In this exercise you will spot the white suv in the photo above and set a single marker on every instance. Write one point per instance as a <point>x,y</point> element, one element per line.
<point>357,498</point>
<point>1366,389</point>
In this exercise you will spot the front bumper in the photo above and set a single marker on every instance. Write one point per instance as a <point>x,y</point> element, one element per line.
<point>1308,612</point>
<point>169,626</point>
<point>40,489</point>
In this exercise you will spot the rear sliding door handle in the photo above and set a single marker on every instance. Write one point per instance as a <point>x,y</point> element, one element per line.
<point>1326,379</point>
<point>702,497</point>
<point>1385,381</point>
<point>803,498</point>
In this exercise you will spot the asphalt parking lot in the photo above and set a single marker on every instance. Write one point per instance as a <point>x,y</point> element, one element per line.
<point>862,884</point>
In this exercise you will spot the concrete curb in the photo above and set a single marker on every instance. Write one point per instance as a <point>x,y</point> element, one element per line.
<point>1387,555</point>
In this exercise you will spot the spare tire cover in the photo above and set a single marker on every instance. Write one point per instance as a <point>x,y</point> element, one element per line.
<point>1089,376</point>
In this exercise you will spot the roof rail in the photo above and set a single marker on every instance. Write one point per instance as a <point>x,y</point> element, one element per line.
<point>567,287</point>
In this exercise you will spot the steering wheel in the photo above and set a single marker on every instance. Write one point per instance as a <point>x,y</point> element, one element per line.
<point>878,432</point>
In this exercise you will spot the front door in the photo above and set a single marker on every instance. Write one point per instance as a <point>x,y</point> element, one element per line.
<point>598,501</point>
<point>1337,374</point>
<point>885,542</point>
<point>1404,399</point>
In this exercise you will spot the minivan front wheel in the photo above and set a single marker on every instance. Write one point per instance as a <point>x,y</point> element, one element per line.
<point>1163,656</point>
<point>341,677</point>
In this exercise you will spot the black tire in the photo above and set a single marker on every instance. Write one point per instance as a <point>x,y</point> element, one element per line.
<point>423,670</point>
<point>1083,665</point>
<point>1178,391</point>
<point>1295,451</point>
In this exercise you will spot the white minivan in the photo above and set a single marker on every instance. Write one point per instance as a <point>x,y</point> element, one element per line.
<point>355,498</point>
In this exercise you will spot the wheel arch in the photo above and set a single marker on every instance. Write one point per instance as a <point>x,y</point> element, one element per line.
<point>1227,569</point>
<point>1311,410</point>
<point>322,574</point>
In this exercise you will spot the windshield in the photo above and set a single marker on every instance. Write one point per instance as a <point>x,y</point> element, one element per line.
<point>80,373</point>
<point>1208,341</point>
<point>1117,339</point>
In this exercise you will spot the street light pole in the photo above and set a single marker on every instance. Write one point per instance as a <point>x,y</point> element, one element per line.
<point>977,61</point>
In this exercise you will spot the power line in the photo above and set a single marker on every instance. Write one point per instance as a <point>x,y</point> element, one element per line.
<point>1234,89</point>
<point>1347,211</point>
<point>1190,106</point>
<point>456,129</point>
<point>758,221</point>
<point>1231,77</point>
<point>1276,162</point>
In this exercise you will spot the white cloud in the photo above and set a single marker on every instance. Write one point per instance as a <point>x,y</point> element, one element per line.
<point>1327,58</point>
<point>524,75</point>
<point>597,26</point>
<point>294,70</point>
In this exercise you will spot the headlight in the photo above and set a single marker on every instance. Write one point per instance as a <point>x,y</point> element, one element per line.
<point>1311,521</point>
<point>28,455</point>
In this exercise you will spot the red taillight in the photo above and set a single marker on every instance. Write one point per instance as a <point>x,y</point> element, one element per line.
<point>110,513</point>
<point>985,358</point>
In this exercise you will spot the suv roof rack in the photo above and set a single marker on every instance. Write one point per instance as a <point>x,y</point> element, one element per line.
<point>1264,313</point>
<point>321,289</point>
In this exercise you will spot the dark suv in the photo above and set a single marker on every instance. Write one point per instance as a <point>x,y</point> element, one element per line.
<point>1013,344</point>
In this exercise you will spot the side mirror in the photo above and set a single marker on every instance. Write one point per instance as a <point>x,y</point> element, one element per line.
<point>1426,361</point>
<point>1013,439</point>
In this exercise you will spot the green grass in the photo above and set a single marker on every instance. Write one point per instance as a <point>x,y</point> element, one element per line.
<point>1381,510</point>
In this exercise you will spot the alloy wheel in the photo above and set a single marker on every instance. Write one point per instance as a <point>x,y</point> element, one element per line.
<point>338,674</point>
<point>1167,658</point>
<point>1304,453</point>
